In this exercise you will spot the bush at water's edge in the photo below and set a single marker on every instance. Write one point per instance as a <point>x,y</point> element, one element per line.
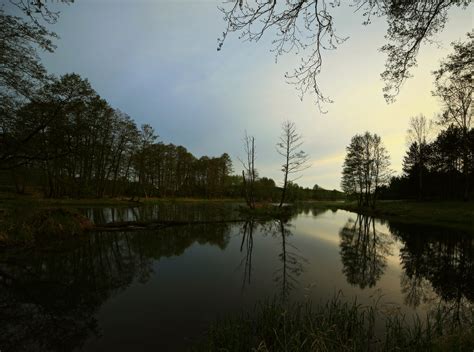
<point>29,226</point>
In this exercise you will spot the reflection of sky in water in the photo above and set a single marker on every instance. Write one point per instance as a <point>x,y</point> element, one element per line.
<point>155,288</point>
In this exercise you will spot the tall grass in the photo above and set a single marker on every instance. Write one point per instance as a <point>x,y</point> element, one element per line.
<point>338,326</point>
<point>31,225</point>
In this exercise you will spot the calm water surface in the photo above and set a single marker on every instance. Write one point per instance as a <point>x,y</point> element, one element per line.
<point>160,289</point>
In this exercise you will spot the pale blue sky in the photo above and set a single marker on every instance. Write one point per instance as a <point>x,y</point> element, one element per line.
<point>157,61</point>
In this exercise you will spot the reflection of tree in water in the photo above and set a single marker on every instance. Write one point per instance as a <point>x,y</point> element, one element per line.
<point>246,246</point>
<point>292,262</point>
<point>436,260</point>
<point>308,208</point>
<point>164,211</point>
<point>415,288</point>
<point>286,276</point>
<point>48,297</point>
<point>363,251</point>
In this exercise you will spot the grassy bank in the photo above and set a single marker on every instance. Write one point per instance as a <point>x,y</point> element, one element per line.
<point>28,220</point>
<point>338,326</point>
<point>456,215</point>
<point>459,215</point>
<point>31,226</point>
<point>9,201</point>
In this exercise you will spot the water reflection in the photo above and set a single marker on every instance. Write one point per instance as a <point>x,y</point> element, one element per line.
<point>184,211</point>
<point>364,251</point>
<point>438,267</point>
<point>291,262</point>
<point>50,298</point>
<point>247,241</point>
<point>286,276</point>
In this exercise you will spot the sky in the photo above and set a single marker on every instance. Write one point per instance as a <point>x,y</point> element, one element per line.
<point>157,61</point>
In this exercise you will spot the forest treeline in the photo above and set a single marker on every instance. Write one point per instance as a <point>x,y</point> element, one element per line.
<point>435,170</point>
<point>69,141</point>
<point>58,137</point>
<point>439,163</point>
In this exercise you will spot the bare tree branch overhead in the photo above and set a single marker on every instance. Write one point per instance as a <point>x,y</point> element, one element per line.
<point>307,28</point>
<point>39,10</point>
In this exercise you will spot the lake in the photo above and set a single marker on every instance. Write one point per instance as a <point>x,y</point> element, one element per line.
<point>161,289</point>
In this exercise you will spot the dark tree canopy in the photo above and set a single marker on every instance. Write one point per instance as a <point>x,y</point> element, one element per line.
<point>442,165</point>
<point>364,251</point>
<point>366,168</point>
<point>454,87</point>
<point>20,67</point>
<point>307,27</point>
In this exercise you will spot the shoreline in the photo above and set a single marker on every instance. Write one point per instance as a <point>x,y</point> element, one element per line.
<point>457,215</point>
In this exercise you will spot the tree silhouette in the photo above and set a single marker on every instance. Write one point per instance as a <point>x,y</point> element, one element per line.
<point>247,241</point>
<point>39,11</point>
<point>291,260</point>
<point>442,164</point>
<point>364,251</point>
<point>308,27</point>
<point>249,174</point>
<point>454,86</point>
<point>295,160</point>
<point>435,259</point>
<point>418,134</point>
<point>366,168</point>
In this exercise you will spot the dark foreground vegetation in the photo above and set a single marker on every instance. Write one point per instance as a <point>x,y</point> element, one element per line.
<point>340,326</point>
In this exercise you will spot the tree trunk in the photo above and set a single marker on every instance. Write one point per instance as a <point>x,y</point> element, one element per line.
<point>465,166</point>
<point>420,176</point>
<point>285,182</point>
<point>246,191</point>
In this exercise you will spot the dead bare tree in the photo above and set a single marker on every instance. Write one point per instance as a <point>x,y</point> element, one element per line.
<point>249,174</point>
<point>296,159</point>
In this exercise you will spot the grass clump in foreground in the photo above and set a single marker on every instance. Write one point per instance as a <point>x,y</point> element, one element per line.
<point>338,326</point>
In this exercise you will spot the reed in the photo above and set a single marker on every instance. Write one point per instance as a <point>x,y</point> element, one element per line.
<point>338,325</point>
